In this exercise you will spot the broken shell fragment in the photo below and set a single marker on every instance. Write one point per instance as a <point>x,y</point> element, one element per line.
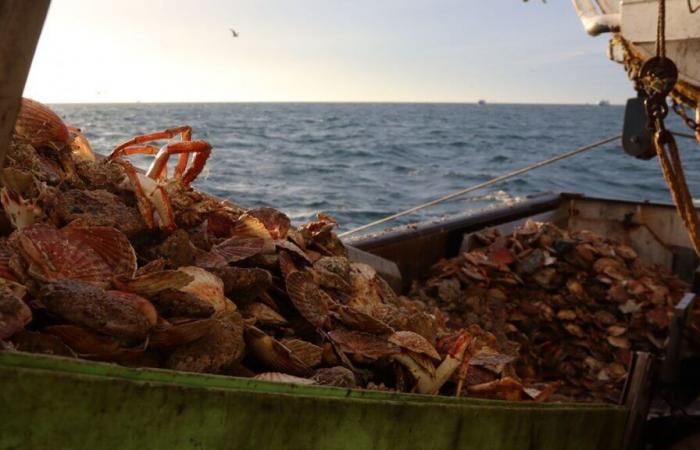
<point>278,377</point>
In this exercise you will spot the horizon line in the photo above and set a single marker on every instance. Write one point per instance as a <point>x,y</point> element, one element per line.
<point>348,102</point>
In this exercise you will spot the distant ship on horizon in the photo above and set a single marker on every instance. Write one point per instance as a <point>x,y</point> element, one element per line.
<point>604,103</point>
<point>481,102</point>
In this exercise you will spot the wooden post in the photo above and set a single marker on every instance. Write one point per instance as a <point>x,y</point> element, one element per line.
<point>20,26</point>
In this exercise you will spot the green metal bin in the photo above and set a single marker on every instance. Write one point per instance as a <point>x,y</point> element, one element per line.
<point>58,403</point>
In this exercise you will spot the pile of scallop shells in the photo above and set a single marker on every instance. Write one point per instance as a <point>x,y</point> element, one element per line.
<point>103,262</point>
<point>571,306</point>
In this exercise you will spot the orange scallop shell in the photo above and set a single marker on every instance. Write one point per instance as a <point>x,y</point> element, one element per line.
<point>40,126</point>
<point>415,343</point>
<point>358,320</point>
<point>111,244</point>
<point>363,344</point>
<point>90,254</point>
<point>276,222</point>
<point>311,302</point>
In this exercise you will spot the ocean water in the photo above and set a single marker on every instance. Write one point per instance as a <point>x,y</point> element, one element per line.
<point>361,162</point>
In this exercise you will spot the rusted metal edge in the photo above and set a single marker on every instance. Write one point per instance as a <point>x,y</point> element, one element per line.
<point>462,223</point>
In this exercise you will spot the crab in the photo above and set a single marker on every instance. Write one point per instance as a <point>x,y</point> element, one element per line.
<point>154,190</point>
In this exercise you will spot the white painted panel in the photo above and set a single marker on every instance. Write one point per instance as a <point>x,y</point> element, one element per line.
<point>639,19</point>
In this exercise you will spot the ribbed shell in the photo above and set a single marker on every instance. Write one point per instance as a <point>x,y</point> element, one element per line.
<point>309,300</point>
<point>180,334</point>
<point>358,320</point>
<point>40,126</point>
<point>236,249</point>
<point>110,244</point>
<point>52,255</point>
<point>276,222</point>
<point>273,354</point>
<point>363,344</point>
<point>415,343</point>
<point>307,352</point>
<point>205,286</point>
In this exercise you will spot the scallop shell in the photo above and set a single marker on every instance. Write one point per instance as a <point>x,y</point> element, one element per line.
<point>109,243</point>
<point>140,304</point>
<point>154,282</point>
<point>84,341</point>
<point>330,280</point>
<point>273,354</point>
<point>221,347</point>
<point>366,345</point>
<point>252,231</point>
<point>415,343</point>
<point>51,256</point>
<point>356,319</point>
<point>181,333</point>
<point>337,376</point>
<point>277,377</point>
<point>243,282</point>
<point>205,286</point>
<point>40,126</point>
<point>264,315</point>
<point>119,314</point>
<point>276,223</point>
<point>286,263</point>
<point>311,302</point>
<point>293,249</point>
<point>236,249</point>
<point>307,352</point>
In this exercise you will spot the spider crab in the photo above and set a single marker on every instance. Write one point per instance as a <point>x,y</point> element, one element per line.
<point>154,190</point>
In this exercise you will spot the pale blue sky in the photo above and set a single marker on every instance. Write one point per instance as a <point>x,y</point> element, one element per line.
<point>321,50</point>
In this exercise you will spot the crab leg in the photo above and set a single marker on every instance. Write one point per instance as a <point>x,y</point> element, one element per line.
<point>201,149</point>
<point>141,199</point>
<point>184,131</point>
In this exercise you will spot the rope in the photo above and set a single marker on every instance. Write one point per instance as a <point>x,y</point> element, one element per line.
<point>671,167</point>
<point>483,185</point>
<point>661,30</point>
<point>674,175</point>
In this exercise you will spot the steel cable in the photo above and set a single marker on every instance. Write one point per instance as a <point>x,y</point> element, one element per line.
<point>483,185</point>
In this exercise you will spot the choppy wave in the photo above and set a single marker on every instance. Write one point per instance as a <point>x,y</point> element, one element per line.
<point>361,162</point>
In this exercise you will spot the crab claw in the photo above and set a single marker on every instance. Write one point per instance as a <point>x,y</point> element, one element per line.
<point>20,211</point>
<point>428,383</point>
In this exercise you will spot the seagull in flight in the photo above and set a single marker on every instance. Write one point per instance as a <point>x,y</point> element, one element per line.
<point>234,32</point>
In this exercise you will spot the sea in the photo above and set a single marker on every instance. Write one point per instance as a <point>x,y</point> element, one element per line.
<point>359,162</point>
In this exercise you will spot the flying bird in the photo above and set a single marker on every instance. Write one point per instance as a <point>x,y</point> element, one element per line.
<point>234,32</point>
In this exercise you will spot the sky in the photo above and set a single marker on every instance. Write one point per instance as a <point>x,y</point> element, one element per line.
<point>319,50</point>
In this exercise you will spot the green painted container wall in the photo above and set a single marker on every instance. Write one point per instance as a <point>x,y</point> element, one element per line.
<point>57,403</point>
